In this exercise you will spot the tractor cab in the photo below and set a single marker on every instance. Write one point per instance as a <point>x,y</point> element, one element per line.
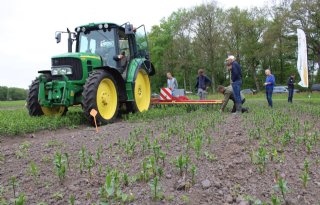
<point>115,45</point>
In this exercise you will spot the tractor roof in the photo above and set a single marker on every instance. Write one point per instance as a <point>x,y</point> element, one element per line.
<point>96,25</point>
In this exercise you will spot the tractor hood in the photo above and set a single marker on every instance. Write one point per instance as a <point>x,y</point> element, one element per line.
<point>82,56</point>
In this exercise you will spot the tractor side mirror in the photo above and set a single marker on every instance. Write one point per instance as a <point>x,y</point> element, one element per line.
<point>129,29</point>
<point>58,37</point>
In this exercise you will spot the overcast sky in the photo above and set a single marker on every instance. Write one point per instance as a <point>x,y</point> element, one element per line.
<point>27,27</point>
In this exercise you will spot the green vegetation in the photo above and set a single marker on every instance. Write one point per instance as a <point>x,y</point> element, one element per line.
<point>12,93</point>
<point>202,36</point>
<point>18,121</point>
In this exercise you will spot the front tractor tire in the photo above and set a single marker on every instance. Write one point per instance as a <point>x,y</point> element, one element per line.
<point>101,93</point>
<point>35,109</point>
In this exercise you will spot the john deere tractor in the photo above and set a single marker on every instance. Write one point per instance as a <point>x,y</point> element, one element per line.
<point>109,69</point>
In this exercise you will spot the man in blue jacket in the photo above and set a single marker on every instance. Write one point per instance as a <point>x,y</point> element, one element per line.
<point>270,82</point>
<point>203,82</point>
<point>236,78</point>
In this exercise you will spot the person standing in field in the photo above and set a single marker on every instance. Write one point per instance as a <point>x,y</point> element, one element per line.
<point>290,87</point>
<point>236,77</point>
<point>202,85</point>
<point>171,81</point>
<point>270,82</point>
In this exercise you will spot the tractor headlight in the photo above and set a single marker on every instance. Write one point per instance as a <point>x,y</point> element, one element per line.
<point>61,71</point>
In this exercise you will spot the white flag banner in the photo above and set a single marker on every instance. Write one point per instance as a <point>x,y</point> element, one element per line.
<point>302,63</point>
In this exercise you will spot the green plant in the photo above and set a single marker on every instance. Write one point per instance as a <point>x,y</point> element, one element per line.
<point>34,171</point>
<point>182,163</point>
<point>60,166</point>
<point>13,182</point>
<point>156,189</point>
<point>90,164</point>
<point>281,186</point>
<point>58,196</point>
<point>198,146</point>
<point>20,200</point>
<point>125,179</point>
<point>209,156</point>
<point>275,200</point>
<point>72,199</point>
<point>193,173</point>
<point>305,178</point>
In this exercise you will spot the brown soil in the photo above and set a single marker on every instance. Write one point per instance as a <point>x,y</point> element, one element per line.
<point>232,175</point>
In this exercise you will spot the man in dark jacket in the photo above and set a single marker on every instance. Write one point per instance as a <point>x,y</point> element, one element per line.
<point>229,95</point>
<point>203,82</point>
<point>236,78</point>
<point>291,87</point>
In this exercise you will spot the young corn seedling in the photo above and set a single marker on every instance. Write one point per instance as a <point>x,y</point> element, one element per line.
<point>60,166</point>
<point>198,146</point>
<point>193,173</point>
<point>275,200</point>
<point>182,163</point>
<point>67,159</point>
<point>99,153</point>
<point>125,179</point>
<point>13,182</point>
<point>282,187</point>
<point>262,157</point>
<point>305,178</point>
<point>21,200</point>
<point>162,156</point>
<point>90,164</point>
<point>34,171</point>
<point>72,199</point>
<point>305,174</point>
<point>156,189</point>
<point>156,150</point>
<point>82,155</point>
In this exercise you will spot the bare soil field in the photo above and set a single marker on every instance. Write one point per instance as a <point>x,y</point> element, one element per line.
<point>199,157</point>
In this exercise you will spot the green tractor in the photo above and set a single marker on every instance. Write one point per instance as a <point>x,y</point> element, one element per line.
<point>109,70</point>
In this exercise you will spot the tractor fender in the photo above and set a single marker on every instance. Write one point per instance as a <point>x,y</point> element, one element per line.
<point>119,80</point>
<point>133,69</point>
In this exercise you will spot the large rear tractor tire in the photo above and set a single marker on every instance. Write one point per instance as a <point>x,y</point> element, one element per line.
<point>35,109</point>
<point>101,94</point>
<point>142,92</point>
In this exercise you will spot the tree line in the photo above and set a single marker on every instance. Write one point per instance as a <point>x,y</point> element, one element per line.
<point>260,38</point>
<point>7,93</point>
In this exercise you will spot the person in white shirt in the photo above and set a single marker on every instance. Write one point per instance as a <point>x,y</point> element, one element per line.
<point>171,82</point>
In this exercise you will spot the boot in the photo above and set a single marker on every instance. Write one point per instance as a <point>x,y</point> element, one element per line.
<point>239,107</point>
<point>245,109</point>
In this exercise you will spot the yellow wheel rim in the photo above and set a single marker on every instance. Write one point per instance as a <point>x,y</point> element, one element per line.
<point>107,99</point>
<point>142,92</point>
<point>53,111</point>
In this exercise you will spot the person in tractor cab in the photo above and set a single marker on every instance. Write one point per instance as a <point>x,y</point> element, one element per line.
<point>229,95</point>
<point>202,85</point>
<point>123,61</point>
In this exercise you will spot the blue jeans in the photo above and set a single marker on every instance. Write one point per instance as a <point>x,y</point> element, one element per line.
<point>236,86</point>
<point>290,95</point>
<point>269,96</point>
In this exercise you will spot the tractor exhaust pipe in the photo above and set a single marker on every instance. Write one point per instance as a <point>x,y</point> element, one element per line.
<point>69,41</point>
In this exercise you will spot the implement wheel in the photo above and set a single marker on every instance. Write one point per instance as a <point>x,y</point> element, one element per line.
<point>101,93</point>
